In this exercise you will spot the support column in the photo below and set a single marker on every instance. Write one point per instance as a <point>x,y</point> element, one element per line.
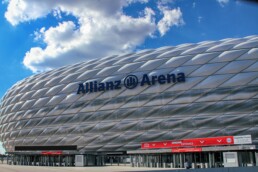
<point>181,161</point>
<point>251,158</point>
<point>174,161</point>
<point>7,159</point>
<point>256,158</point>
<point>211,159</point>
<point>131,160</point>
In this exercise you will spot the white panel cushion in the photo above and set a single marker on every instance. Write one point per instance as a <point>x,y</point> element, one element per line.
<point>252,68</point>
<point>228,55</point>
<point>151,64</point>
<point>213,81</point>
<point>251,54</point>
<point>248,44</point>
<point>241,79</point>
<point>207,69</point>
<point>189,83</point>
<point>202,58</point>
<point>127,68</point>
<point>176,61</point>
<point>71,98</point>
<point>235,66</point>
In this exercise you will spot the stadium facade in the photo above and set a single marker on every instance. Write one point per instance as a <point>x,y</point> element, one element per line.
<point>105,110</point>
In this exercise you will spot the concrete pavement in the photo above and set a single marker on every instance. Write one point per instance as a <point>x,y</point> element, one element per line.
<point>18,168</point>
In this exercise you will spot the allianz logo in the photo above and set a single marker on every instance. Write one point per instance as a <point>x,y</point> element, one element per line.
<point>130,82</point>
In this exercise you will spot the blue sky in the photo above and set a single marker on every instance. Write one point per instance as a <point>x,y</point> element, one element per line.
<point>37,36</point>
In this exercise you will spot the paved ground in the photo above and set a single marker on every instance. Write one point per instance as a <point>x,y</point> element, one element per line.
<point>16,168</point>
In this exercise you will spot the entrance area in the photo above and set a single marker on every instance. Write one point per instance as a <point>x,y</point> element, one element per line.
<point>194,153</point>
<point>66,159</point>
<point>214,159</point>
<point>142,158</point>
<point>41,160</point>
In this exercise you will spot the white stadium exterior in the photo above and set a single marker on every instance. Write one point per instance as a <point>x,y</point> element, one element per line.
<point>113,104</point>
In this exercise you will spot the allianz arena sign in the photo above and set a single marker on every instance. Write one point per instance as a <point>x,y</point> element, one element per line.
<point>130,82</point>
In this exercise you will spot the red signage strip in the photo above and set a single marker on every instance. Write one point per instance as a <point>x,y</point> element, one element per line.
<point>52,153</point>
<point>175,150</point>
<point>195,142</point>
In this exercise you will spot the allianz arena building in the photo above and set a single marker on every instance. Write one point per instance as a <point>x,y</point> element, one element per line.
<point>153,108</point>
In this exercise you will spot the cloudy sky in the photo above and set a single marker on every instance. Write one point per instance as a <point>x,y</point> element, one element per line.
<point>40,35</point>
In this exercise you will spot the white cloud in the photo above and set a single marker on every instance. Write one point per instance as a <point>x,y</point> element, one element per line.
<point>102,29</point>
<point>165,2</point>
<point>200,19</point>
<point>26,10</point>
<point>141,1</point>
<point>194,5</point>
<point>171,18</point>
<point>223,2</point>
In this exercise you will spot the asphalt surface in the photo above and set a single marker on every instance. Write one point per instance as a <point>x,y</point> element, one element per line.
<point>18,168</point>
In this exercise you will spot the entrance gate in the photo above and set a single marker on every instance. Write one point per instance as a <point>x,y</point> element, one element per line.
<point>42,160</point>
<point>197,159</point>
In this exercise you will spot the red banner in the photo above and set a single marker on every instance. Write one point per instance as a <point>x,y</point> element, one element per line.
<point>195,142</point>
<point>174,150</point>
<point>52,153</point>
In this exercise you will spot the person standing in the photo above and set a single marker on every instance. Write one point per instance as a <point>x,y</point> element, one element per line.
<point>187,164</point>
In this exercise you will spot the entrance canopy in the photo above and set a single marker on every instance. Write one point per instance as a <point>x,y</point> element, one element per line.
<point>199,149</point>
<point>199,142</point>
